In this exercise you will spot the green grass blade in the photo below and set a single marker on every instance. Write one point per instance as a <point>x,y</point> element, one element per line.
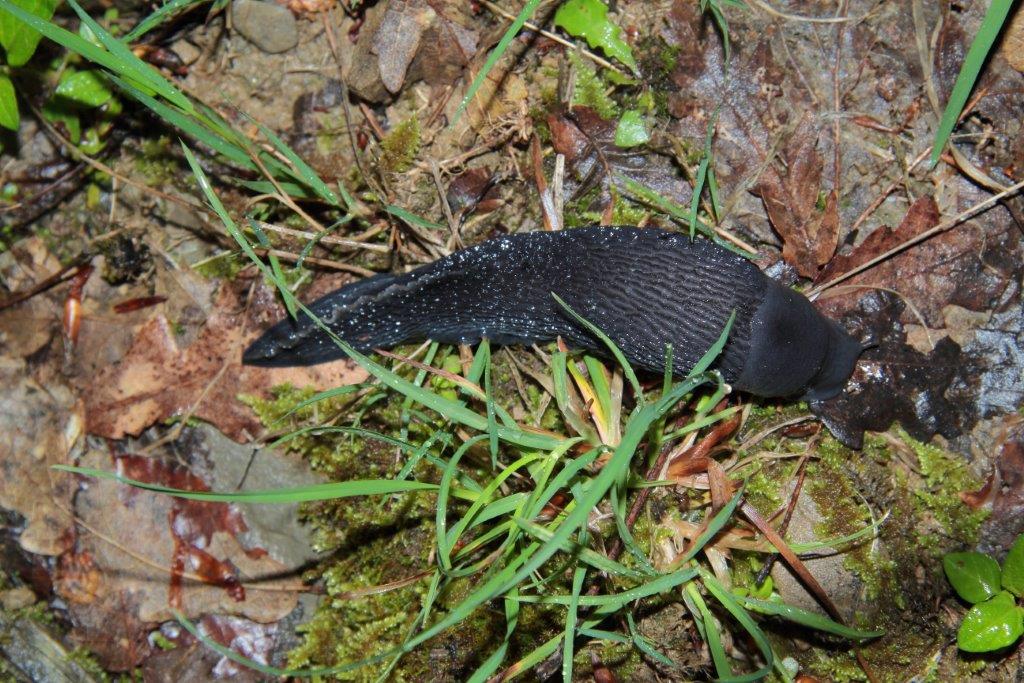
<point>72,42</point>
<point>275,265</point>
<point>158,17</point>
<point>492,663</point>
<point>305,173</point>
<point>579,574</point>
<point>595,559</point>
<point>644,645</point>
<point>711,635</point>
<point>329,491</point>
<point>809,619</point>
<point>746,621</point>
<point>493,57</point>
<point>716,349</point>
<point>485,497</point>
<point>128,64</point>
<point>620,358</point>
<point>415,458</point>
<point>987,35</point>
<point>492,423</point>
<point>320,396</point>
<point>441,515</point>
<point>411,218</point>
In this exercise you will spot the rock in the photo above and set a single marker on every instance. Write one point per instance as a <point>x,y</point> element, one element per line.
<point>266,25</point>
<point>17,598</point>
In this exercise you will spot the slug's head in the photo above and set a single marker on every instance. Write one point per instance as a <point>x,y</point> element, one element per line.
<point>795,350</point>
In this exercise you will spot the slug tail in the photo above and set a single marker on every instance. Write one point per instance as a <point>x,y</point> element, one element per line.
<point>301,342</point>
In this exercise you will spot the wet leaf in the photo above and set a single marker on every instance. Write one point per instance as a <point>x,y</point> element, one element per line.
<point>86,88</point>
<point>8,104</point>
<point>18,40</point>
<point>632,130</point>
<point>922,215</point>
<point>974,576</point>
<point>1013,568</point>
<point>588,19</point>
<point>991,625</point>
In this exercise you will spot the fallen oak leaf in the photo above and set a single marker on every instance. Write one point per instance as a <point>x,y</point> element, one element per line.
<point>922,215</point>
<point>809,235</point>
<point>157,380</point>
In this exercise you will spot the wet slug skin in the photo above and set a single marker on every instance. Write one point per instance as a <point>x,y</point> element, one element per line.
<point>644,288</point>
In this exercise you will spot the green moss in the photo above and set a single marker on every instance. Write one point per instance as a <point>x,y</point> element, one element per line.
<point>400,147</point>
<point>946,476</point>
<point>591,90</point>
<point>223,266</point>
<point>87,660</point>
<point>157,162</point>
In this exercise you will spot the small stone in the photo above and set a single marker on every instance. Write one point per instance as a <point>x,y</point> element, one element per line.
<point>17,598</point>
<point>188,52</point>
<point>266,25</point>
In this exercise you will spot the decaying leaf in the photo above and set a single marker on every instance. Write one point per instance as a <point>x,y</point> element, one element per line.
<point>809,232</point>
<point>1012,47</point>
<point>39,426</point>
<point>922,215</point>
<point>140,554</point>
<point>157,380</point>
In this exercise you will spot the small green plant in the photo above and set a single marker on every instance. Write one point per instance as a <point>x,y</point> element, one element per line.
<point>995,619</point>
<point>588,19</point>
<point>19,45</point>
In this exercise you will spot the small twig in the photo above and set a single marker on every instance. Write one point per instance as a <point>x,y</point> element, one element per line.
<point>801,474</point>
<point>807,20</point>
<point>453,225</point>
<point>40,287</point>
<point>326,263</point>
<point>553,36</point>
<point>326,239</point>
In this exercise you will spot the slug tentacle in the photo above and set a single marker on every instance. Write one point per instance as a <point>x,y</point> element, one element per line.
<point>644,288</point>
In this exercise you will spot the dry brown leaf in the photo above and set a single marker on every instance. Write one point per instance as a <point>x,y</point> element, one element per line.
<point>1012,47</point>
<point>157,380</point>
<point>28,326</point>
<point>809,235</point>
<point>921,216</point>
<point>40,425</point>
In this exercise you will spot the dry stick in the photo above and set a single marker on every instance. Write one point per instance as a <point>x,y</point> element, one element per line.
<point>801,474</point>
<point>927,234</point>
<point>40,287</point>
<point>326,239</point>
<point>326,263</point>
<point>553,36</point>
<point>453,225</point>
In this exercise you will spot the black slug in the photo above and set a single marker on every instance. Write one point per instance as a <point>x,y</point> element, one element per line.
<point>644,288</point>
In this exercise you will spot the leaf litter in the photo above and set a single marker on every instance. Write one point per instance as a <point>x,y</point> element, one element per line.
<point>945,315</point>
